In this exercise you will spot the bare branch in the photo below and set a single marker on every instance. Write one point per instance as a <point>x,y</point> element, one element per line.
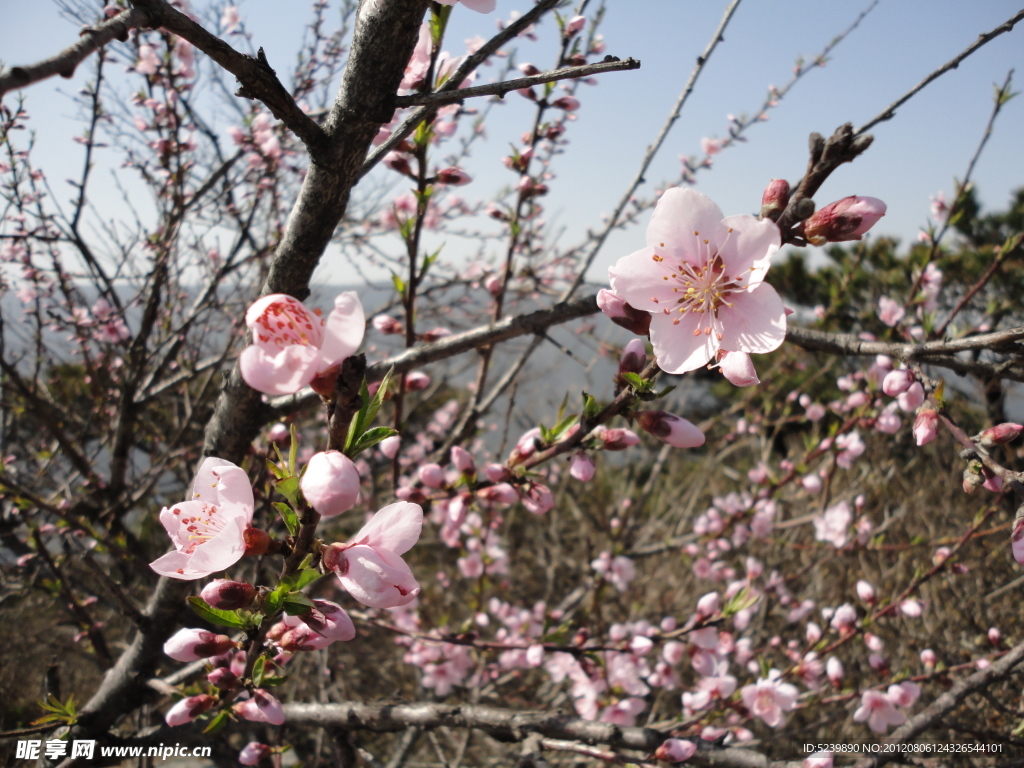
<point>500,89</point>
<point>65,62</point>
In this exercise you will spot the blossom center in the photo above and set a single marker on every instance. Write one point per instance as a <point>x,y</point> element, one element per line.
<point>288,323</point>
<point>702,288</point>
<point>202,526</point>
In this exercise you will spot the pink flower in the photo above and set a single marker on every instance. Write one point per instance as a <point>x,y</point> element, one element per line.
<point>582,467</point>
<point>878,710</point>
<point>330,483</point>
<point>292,346</point>
<point>926,426</point>
<point>194,644</point>
<point>770,698</point>
<point>738,368</point>
<point>890,311</point>
<point>850,447</point>
<point>148,62</point>
<point>702,278</point>
<point>904,694</point>
<point>671,429</point>
<point>480,6</point>
<point>536,497</point>
<point>261,708</point>
<point>370,566</point>
<point>845,219</point>
<point>324,624</point>
<point>833,526</point>
<point>574,25</point>
<point>230,19</point>
<point>208,530</point>
<point>188,709</point>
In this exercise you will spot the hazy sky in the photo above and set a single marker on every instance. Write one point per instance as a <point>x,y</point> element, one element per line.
<point>915,155</point>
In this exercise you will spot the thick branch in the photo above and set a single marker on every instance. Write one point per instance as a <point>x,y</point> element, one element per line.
<point>502,724</point>
<point>65,62</point>
<point>846,344</point>
<point>500,89</point>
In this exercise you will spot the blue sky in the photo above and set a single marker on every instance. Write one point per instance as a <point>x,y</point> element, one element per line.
<point>915,155</point>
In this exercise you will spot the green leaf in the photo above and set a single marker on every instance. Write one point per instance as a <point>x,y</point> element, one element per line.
<point>590,406</point>
<point>272,604</point>
<point>638,383</point>
<point>371,437</point>
<point>276,470</point>
<point>216,616</point>
<point>296,604</point>
<point>559,429</point>
<point>271,680</point>
<point>378,397</point>
<point>217,723</point>
<point>399,284</point>
<point>289,488</point>
<point>291,520</point>
<point>259,670</point>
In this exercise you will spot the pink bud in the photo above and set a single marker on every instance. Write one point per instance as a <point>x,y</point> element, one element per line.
<point>1017,539</point>
<point>389,446</point>
<point>253,752</point>
<point>497,473</point>
<point>834,670</point>
<point>845,219</point>
<point>194,644</point>
<point>738,368</point>
<point>463,461</point>
<point>528,69</point>
<point>537,498</point>
<point>618,439</point>
<point>279,433</point>
<point>582,467</point>
<point>866,592</point>
<point>568,103</point>
<point>431,475</point>
<point>223,678</point>
<point>897,382</point>
<point>454,176</point>
<point>330,483</point>
<point>912,608</point>
<point>999,434</point>
<point>775,198</point>
<point>188,709</point>
<point>671,429</point>
<point>634,357</point>
<point>493,285</point>
<point>227,595</point>
<point>813,633</point>
<point>928,657</point>
<point>435,334</point>
<point>708,606</point>
<point>676,750</point>
<point>261,708</point>
<point>994,635</point>
<point>619,312</point>
<point>926,426</point>
<point>397,161</point>
<point>912,398</point>
<point>574,25</point>
<point>501,493</point>
<point>416,381</point>
<point>388,325</point>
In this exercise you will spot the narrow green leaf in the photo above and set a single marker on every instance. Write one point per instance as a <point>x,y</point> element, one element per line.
<point>639,384</point>
<point>216,616</point>
<point>258,671</point>
<point>560,428</point>
<point>296,603</point>
<point>289,488</point>
<point>276,470</point>
<point>217,723</point>
<point>378,398</point>
<point>370,438</point>
<point>291,520</point>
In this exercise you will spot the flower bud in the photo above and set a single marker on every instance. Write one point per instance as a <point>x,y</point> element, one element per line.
<point>835,671</point>
<point>897,382</point>
<point>866,592</point>
<point>846,219</point>
<point>453,176</point>
<point>928,658</point>
<point>416,381</point>
<point>497,473</point>
<point>432,476</point>
<point>334,558</point>
<point>227,595</point>
<point>912,399</point>
<point>994,635</point>
<point>973,478</point>
<point>330,483</point>
<point>1017,537</point>
<point>388,325</point>
<point>671,429</point>
<point>188,709</point>
<point>193,644</point>
<point>261,708</point>
<point>253,752</point>
<point>493,285</point>
<point>634,357</point>
<point>389,446</point>
<point>223,678</point>
<point>676,750</point>
<point>582,467</point>
<point>775,199</point>
<point>619,312</point>
<point>279,433</point>
<point>536,498</point>
<point>617,439</point>
<point>999,434</point>
<point>926,426</point>
<point>574,25</point>
<point>708,606</point>
<point>463,461</point>
<point>257,542</point>
<point>738,368</point>
<point>568,103</point>
<point>529,70</point>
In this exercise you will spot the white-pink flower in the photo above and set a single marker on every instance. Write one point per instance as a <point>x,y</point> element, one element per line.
<point>833,526</point>
<point>701,277</point>
<point>878,710</point>
<point>292,346</point>
<point>208,530</point>
<point>890,311</point>
<point>370,566</point>
<point>770,698</point>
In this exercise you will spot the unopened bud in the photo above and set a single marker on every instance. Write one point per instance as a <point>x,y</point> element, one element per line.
<point>999,434</point>
<point>929,659</point>
<point>775,199</point>
<point>227,595</point>
<point>463,461</point>
<point>223,678</point>
<point>335,559</point>
<point>253,752</point>
<point>194,644</point>
<point>1017,537</point>
<point>846,219</point>
<point>432,476</point>
<point>568,103</point>
<point>387,325</point>
<point>581,467</point>
<point>866,592</point>
<point>619,312</point>
<point>897,382</point>
<point>671,429</point>
<point>973,479</point>
<point>926,426</point>
<point>188,709</point>
<point>416,381</point>
<point>574,25</point>
<point>634,357</point>
<point>675,750</point>
<point>453,176</point>
<point>617,439</point>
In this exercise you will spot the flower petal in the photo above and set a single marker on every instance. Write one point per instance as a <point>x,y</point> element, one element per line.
<point>230,487</point>
<point>638,280</point>
<point>174,565</point>
<point>396,527</point>
<point>678,215</point>
<point>755,321</point>
<point>284,373</point>
<point>222,551</point>
<point>676,347</point>
<point>344,330</point>
<point>748,248</point>
<point>379,579</point>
